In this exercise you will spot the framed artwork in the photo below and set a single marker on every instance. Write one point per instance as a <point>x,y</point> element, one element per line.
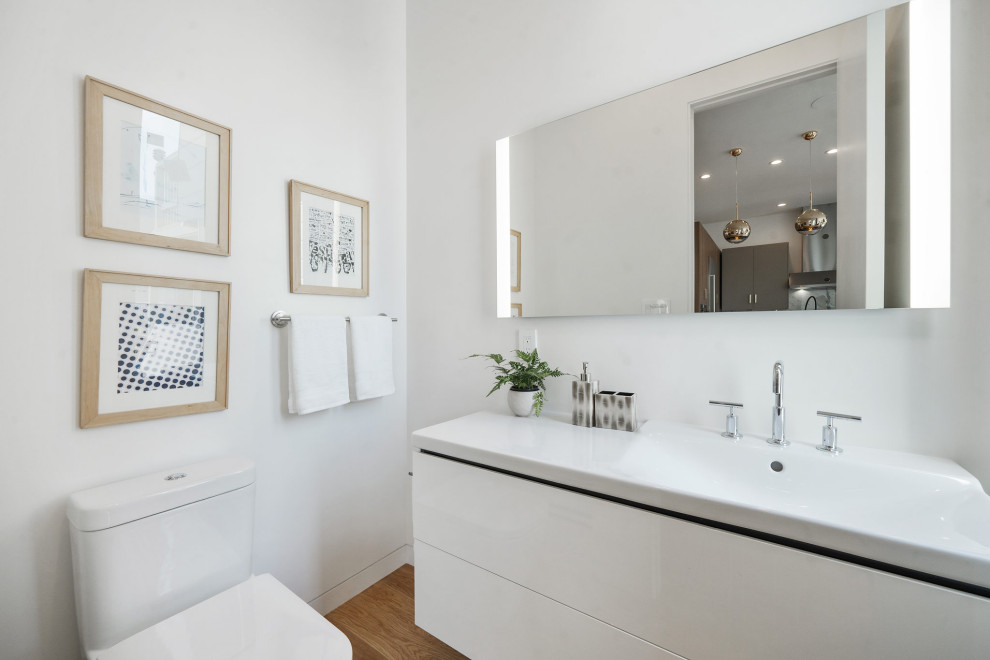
<point>152,347</point>
<point>328,242</point>
<point>515,259</point>
<point>154,175</point>
<point>516,310</point>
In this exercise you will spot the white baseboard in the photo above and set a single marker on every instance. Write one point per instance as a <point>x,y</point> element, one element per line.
<point>352,586</point>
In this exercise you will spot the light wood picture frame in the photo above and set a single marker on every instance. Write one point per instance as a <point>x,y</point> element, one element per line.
<point>515,259</point>
<point>516,310</point>
<point>154,175</point>
<point>328,241</point>
<point>152,347</point>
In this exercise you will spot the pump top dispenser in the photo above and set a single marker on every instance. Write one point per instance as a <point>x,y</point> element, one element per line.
<point>583,398</point>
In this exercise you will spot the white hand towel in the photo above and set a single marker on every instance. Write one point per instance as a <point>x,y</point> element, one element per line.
<point>371,348</point>
<point>317,363</point>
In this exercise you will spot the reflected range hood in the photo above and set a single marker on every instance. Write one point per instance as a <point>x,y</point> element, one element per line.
<point>820,279</point>
<point>817,260</point>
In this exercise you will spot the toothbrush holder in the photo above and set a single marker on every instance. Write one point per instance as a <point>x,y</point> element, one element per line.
<point>616,410</point>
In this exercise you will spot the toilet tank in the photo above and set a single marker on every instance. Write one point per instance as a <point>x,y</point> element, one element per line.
<point>147,548</point>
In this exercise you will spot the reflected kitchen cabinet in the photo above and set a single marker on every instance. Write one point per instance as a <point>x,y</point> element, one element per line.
<point>707,272</point>
<point>754,278</point>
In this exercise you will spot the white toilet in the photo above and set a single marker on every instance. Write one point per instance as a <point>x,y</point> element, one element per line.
<point>162,569</point>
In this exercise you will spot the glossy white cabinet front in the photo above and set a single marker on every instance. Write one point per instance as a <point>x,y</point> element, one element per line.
<point>696,591</point>
<point>490,618</point>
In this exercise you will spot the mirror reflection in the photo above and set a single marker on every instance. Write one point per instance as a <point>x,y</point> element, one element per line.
<point>631,207</point>
<point>766,213</point>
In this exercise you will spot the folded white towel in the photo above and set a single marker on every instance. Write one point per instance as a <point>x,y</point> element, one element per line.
<point>317,363</point>
<point>371,348</point>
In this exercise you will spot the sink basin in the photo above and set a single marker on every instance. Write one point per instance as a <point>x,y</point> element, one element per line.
<point>918,515</point>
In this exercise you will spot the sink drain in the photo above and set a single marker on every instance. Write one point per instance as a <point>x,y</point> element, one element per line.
<point>776,466</point>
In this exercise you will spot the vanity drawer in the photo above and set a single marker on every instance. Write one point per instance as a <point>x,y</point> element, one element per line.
<point>699,592</point>
<point>487,617</point>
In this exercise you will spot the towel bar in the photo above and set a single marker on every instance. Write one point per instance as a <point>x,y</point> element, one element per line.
<point>281,319</point>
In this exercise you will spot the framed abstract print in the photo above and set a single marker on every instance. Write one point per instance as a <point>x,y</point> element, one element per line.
<point>152,347</point>
<point>328,242</point>
<point>154,175</point>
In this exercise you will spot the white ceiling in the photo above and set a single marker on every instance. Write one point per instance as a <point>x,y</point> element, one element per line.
<point>767,125</point>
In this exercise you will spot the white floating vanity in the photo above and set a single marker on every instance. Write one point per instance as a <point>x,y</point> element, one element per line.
<point>538,539</point>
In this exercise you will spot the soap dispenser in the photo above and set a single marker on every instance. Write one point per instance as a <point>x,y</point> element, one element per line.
<point>583,399</point>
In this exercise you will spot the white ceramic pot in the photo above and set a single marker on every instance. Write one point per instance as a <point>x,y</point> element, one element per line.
<point>521,403</point>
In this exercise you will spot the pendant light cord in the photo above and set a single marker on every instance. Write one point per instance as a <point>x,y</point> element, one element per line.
<point>736,159</point>
<point>811,176</point>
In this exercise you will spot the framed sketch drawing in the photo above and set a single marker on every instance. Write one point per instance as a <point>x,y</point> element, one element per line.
<point>154,175</point>
<point>328,242</point>
<point>152,347</point>
<point>515,259</point>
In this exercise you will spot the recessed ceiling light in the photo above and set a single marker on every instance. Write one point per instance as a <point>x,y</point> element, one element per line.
<point>706,176</point>
<point>776,162</point>
<point>782,204</point>
<point>832,151</point>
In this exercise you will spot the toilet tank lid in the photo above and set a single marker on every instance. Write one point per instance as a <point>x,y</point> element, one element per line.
<point>124,501</point>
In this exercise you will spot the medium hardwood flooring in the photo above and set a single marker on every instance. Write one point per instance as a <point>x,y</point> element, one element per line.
<point>380,623</point>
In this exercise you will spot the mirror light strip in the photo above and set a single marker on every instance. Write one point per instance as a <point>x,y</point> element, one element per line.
<point>502,225</point>
<point>931,136</point>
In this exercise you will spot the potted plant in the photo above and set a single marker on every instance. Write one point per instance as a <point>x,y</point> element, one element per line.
<point>525,376</point>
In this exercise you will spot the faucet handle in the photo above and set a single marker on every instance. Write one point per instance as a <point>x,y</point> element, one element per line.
<point>830,433</point>
<point>731,421</point>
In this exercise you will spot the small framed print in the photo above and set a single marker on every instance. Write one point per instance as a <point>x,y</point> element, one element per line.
<point>152,347</point>
<point>516,310</point>
<point>154,175</point>
<point>515,259</point>
<point>328,242</point>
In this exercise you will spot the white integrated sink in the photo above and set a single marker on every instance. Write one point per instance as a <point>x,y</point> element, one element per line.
<point>917,513</point>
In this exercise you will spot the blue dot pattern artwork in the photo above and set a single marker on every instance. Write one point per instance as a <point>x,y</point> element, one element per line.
<point>160,347</point>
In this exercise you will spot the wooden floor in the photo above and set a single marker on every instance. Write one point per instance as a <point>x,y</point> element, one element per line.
<point>379,622</point>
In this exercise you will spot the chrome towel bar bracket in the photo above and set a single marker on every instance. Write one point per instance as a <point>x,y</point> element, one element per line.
<point>281,319</point>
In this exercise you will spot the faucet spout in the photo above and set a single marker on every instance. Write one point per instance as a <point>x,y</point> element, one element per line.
<point>777,418</point>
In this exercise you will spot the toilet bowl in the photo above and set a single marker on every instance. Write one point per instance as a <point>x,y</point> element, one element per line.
<point>162,570</point>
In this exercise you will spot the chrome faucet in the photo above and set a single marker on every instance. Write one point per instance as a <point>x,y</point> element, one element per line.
<point>777,420</point>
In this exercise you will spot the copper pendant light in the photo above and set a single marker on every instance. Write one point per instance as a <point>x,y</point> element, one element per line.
<point>736,231</point>
<point>811,221</point>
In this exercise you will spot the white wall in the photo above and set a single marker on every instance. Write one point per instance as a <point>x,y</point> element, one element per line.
<point>313,91</point>
<point>603,240</point>
<point>479,71</point>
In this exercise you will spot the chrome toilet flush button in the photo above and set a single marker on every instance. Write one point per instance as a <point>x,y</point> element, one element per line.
<point>176,475</point>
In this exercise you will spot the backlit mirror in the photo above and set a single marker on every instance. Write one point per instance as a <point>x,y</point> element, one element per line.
<point>620,209</point>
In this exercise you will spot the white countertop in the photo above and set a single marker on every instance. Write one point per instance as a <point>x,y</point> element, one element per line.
<point>918,512</point>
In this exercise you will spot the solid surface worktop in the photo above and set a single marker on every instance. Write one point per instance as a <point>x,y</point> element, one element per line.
<point>922,516</point>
